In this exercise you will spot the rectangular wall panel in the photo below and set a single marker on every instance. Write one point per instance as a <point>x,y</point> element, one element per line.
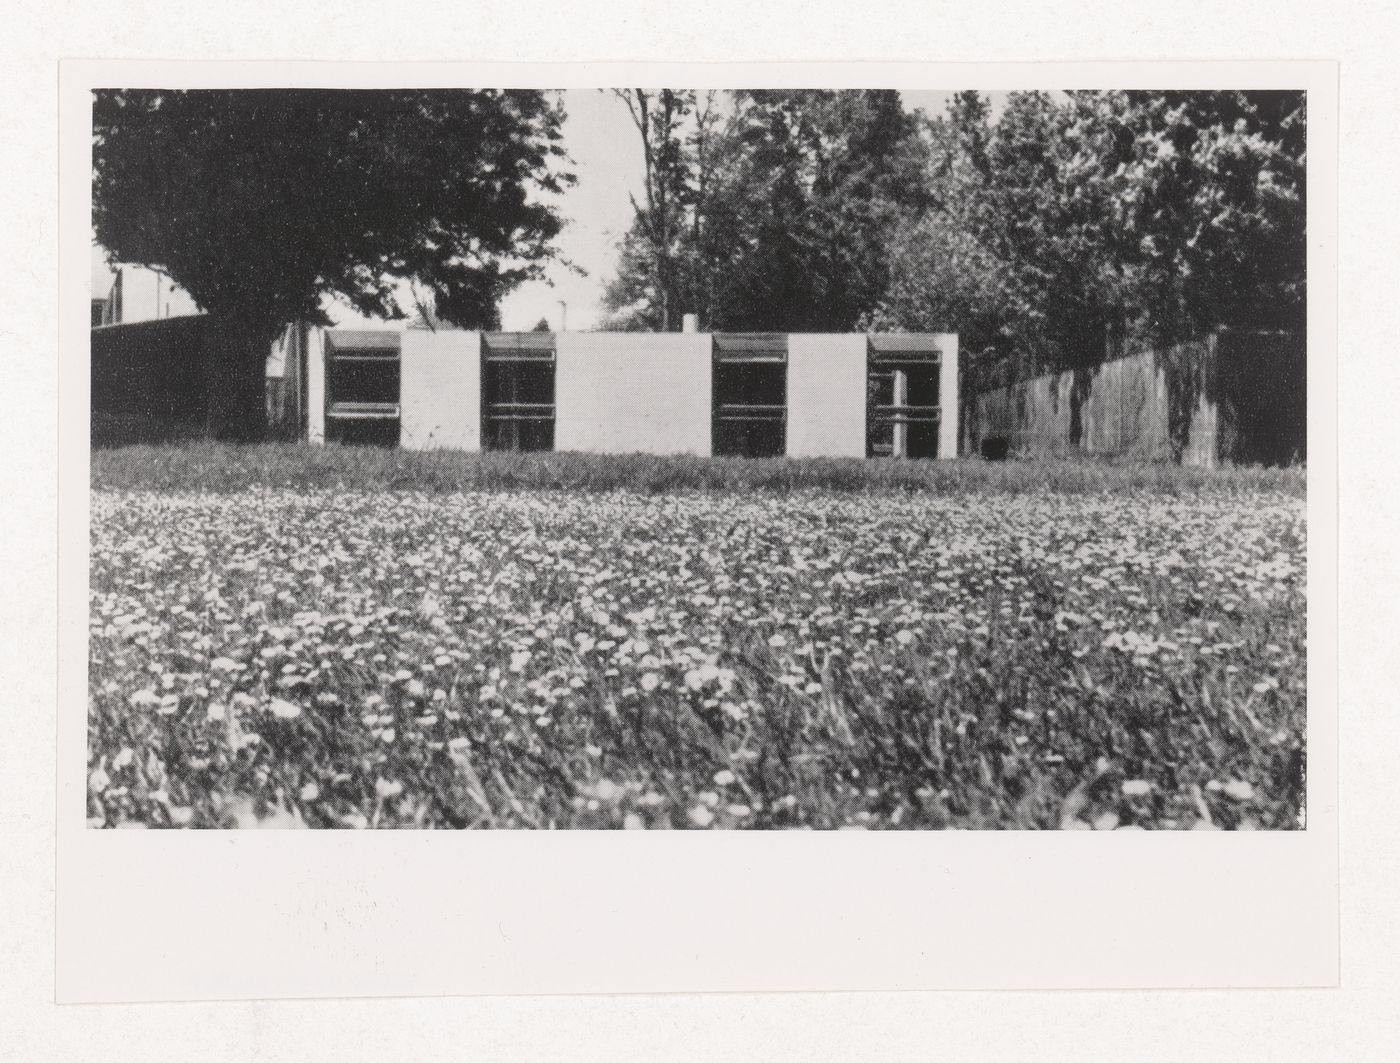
<point>440,390</point>
<point>949,403</point>
<point>316,386</point>
<point>826,396</point>
<point>623,392</point>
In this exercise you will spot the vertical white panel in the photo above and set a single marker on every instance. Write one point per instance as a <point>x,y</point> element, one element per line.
<point>440,390</point>
<point>949,405</point>
<point>627,392</point>
<point>826,396</point>
<point>316,385</point>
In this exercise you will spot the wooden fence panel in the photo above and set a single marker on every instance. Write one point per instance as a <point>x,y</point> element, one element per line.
<point>1233,396</point>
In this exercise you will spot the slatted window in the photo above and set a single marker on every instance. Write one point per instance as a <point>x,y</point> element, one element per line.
<point>517,391</point>
<point>362,388</point>
<point>750,395</point>
<point>902,400</point>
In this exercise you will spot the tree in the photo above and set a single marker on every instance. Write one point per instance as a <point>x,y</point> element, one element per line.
<point>776,212</point>
<point>261,202</point>
<point>824,178</point>
<point>1078,225</point>
<point>1207,192</point>
<point>659,117</point>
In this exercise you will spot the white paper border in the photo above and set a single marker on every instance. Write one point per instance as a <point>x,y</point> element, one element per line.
<point>162,915</point>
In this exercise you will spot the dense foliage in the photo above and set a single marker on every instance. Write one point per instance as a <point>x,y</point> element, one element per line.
<point>1062,230</point>
<point>1072,228</point>
<point>259,203</point>
<point>766,210</point>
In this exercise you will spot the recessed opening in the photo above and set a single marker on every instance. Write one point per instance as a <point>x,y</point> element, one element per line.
<point>517,391</point>
<point>750,396</point>
<point>359,380</point>
<point>362,388</point>
<point>902,398</point>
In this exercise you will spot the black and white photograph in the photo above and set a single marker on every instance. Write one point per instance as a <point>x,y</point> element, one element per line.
<point>690,532</point>
<point>688,458</point>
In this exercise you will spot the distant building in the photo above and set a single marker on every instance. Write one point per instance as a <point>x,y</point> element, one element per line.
<point>125,294</point>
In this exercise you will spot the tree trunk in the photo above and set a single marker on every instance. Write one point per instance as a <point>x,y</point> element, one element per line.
<point>235,370</point>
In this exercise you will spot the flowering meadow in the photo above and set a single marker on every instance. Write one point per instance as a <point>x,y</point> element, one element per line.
<point>984,655</point>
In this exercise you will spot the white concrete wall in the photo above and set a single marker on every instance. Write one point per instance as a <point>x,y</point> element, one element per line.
<point>316,385</point>
<point>625,392</point>
<point>949,408</point>
<point>440,390</point>
<point>826,396</point>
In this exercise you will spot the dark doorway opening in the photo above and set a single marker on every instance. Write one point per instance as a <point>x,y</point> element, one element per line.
<point>517,391</point>
<point>362,388</point>
<point>902,397</point>
<point>750,396</point>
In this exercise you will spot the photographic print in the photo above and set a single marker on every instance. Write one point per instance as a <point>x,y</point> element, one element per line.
<point>737,459</point>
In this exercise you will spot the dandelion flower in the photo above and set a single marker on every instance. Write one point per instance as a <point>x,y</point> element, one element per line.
<point>1239,790</point>
<point>284,710</point>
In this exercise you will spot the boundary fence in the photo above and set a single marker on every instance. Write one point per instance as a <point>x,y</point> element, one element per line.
<point>1233,397</point>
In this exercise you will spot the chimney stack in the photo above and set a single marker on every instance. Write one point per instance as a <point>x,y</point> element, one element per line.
<point>690,323</point>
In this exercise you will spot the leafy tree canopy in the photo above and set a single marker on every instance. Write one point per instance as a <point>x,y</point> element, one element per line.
<point>1073,227</point>
<point>766,210</point>
<point>1060,231</point>
<point>259,203</point>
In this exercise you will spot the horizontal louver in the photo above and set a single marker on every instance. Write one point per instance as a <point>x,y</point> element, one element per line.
<point>518,346</point>
<point>751,346</point>
<point>908,347</point>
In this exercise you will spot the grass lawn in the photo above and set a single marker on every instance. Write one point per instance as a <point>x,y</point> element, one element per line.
<point>335,637</point>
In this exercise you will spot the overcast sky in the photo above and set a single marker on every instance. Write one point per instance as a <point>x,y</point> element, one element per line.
<point>607,160</point>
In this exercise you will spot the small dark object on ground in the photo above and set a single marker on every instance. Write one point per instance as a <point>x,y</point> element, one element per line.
<point>996,449</point>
